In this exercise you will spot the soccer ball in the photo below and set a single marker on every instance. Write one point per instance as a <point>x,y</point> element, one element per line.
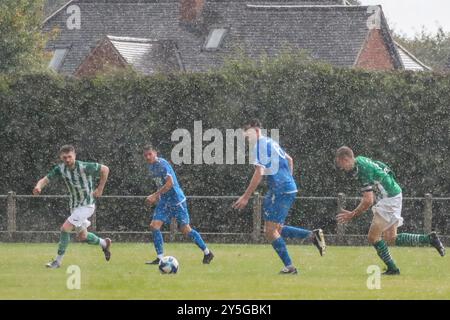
<point>168,265</point>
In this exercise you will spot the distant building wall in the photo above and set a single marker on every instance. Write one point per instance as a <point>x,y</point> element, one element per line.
<point>375,54</point>
<point>102,58</point>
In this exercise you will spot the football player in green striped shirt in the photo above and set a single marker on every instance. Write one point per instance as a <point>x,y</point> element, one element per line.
<point>79,178</point>
<point>375,176</point>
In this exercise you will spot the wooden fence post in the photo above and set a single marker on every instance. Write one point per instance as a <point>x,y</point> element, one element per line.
<point>256,217</point>
<point>340,228</point>
<point>94,222</point>
<point>173,229</point>
<point>11,210</point>
<point>428,213</point>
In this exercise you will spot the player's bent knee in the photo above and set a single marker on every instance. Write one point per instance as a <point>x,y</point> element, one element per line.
<point>155,226</point>
<point>373,239</point>
<point>271,234</point>
<point>186,229</point>
<point>65,229</point>
<point>82,236</point>
<point>390,240</point>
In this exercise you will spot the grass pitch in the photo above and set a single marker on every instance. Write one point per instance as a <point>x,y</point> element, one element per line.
<point>237,272</point>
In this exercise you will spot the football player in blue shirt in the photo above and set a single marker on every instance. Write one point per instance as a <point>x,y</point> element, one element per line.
<point>171,202</point>
<point>271,160</point>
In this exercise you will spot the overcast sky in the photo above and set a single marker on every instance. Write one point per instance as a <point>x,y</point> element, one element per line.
<point>408,16</point>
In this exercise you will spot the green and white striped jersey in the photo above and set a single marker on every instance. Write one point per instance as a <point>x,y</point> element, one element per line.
<point>79,181</point>
<point>375,174</point>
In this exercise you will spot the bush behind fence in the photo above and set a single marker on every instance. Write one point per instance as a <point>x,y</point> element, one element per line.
<point>214,215</point>
<point>401,118</point>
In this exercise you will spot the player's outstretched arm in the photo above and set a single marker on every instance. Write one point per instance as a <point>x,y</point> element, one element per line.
<point>366,202</point>
<point>104,172</point>
<point>241,203</point>
<point>40,185</point>
<point>154,197</point>
<point>291,163</point>
<point>166,187</point>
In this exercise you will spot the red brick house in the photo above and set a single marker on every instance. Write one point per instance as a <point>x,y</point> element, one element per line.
<point>197,35</point>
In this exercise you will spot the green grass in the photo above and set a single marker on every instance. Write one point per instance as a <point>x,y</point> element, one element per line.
<point>237,272</point>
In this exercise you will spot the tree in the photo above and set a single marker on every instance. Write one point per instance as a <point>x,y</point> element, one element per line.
<point>21,41</point>
<point>432,49</point>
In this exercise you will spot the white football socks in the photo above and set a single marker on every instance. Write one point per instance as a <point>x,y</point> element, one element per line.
<point>103,243</point>
<point>59,259</point>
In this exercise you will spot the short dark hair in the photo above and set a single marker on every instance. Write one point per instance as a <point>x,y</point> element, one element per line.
<point>148,147</point>
<point>344,152</point>
<point>253,123</point>
<point>66,148</point>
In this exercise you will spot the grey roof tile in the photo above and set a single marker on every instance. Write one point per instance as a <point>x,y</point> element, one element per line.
<point>50,6</point>
<point>410,62</point>
<point>146,55</point>
<point>333,34</point>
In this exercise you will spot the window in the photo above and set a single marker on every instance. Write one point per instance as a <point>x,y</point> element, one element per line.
<point>57,59</point>
<point>215,38</point>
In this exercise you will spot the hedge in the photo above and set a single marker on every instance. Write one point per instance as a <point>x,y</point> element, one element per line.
<point>401,118</point>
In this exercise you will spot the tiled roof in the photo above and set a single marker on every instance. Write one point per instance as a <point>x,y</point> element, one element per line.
<point>325,29</point>
<point>146,55</point>
<point>410,62</point>
<point>51,6</point>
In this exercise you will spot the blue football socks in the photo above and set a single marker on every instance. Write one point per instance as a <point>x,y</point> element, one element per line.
<point>280,247</point>
<point>294,232</point>
<point>197,238</point>
<point>158,241</point>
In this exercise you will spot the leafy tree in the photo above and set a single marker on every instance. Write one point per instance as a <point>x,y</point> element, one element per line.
<point>21,41</point>
<point>432,49</point>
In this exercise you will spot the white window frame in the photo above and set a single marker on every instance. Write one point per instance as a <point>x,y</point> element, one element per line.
<point>223,31</point>
<point>55,64</point>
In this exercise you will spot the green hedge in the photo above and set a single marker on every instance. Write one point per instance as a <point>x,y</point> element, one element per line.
<point>402,118</point>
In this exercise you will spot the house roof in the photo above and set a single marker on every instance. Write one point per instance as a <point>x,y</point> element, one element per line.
<point>326,29</point>
<point>146,55</point>
<point>50,6</point>
<point>410,62</point>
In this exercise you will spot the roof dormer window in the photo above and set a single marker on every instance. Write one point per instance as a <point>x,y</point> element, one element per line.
<point>215,39</point>
<point>58,58</point>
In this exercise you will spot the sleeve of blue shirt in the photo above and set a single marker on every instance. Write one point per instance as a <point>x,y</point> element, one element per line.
<point>263,153</point>
<point>165,170</point>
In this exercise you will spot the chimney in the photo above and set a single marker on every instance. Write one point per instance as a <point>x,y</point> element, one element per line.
<point>191,10</point>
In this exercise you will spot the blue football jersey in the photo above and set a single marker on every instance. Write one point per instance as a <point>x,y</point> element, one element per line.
<point>272,157</point>
<point>159,172</point>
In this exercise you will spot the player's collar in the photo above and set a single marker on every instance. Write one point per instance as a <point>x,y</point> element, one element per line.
<point>156,161</point>
<point>261,138</point>
<point>74,166</point>
<point>354,172</point>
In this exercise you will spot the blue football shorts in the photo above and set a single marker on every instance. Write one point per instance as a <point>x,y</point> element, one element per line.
<point>165,211</point>
<point>276,206</point>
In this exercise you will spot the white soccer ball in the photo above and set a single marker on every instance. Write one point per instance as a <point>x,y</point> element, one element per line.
<point>168,265</point>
